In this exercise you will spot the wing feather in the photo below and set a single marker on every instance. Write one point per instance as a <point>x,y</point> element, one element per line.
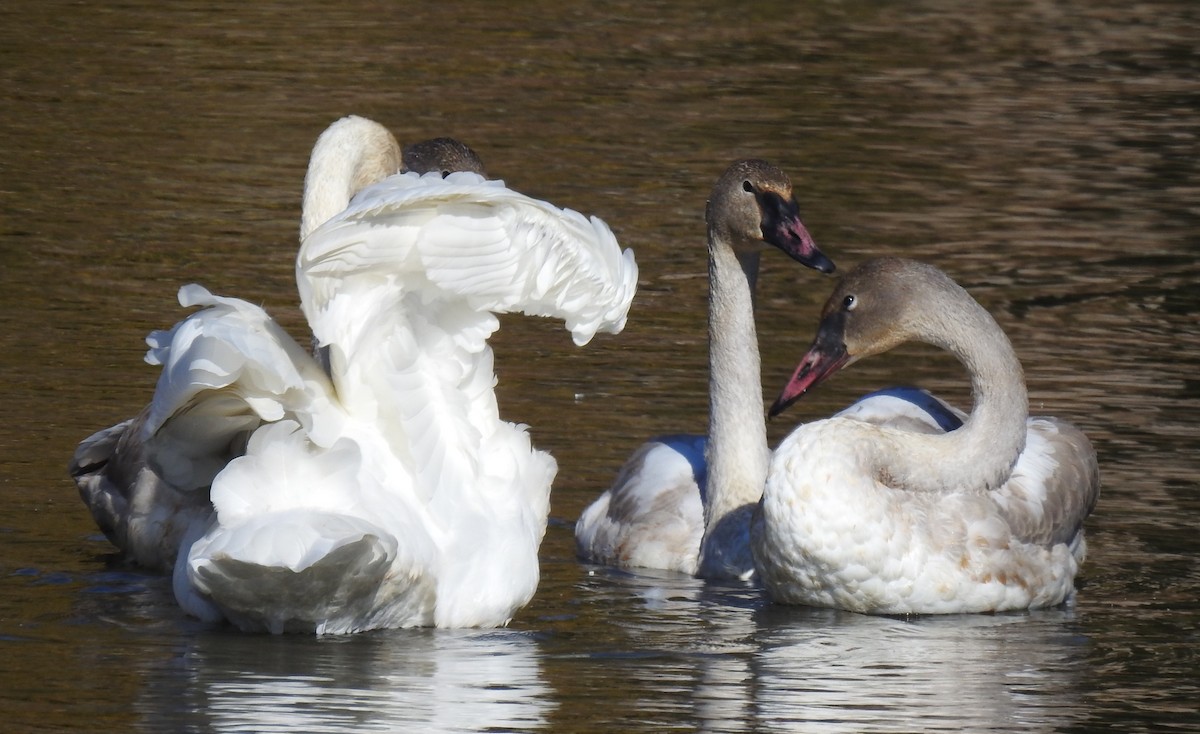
<point>1054,485</point>
<point>467,238</point>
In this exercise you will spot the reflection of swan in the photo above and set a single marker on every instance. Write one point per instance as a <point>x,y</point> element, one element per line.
<point>388,492</point>
<point>884,520</point>
<point>821,670</point>
<point>683,648</point>
<point>676,652</point>
<point>437,681</point>
<point>656,513</point>
<point>145,488</point>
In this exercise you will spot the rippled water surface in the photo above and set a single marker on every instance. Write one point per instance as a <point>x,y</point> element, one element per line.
<point>1044,153</point>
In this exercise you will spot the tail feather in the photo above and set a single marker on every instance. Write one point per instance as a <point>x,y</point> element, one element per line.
<point>305,572</point>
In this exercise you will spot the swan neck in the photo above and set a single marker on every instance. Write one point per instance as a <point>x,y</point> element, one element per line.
<point>348,157</point>
<point>996,429</point>
<point>980,454</point>
<point>737,448</point>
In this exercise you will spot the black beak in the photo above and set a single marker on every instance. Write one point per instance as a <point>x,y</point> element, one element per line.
<point>781,226</point>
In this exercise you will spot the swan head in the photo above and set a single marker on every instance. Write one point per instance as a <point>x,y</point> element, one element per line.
<point>354,153</point>
<point>442,155</point>
<point>753,203</point>
<point>877,306</point>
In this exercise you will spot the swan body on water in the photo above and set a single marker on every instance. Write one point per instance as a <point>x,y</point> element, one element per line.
<point>146,483</point>
<point>653,515</point>
<point>677,495</point>
<point>683,502</point>
<point>383,489</point>
<point>889,520</point>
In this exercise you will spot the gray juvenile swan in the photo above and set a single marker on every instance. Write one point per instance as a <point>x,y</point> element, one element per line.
<point>879,520</point>
<point>654,515</point>
<point>683,502</point>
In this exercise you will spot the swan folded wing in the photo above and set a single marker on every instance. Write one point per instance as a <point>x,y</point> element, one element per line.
<point>225,369</point>
<point>98,449</point>
<point>652,516</point>
<point>906,408</point>
<point>475,240</point>
<point>105,468</point>
<point>1053,487</point>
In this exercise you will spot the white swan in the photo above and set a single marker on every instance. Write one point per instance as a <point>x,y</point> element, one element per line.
<point>882,520</point>
<point>355,152</point>
<point>145,487</point>
<point>387,492</point>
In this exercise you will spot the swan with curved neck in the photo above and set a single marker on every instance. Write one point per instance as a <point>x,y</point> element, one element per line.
<point>653,516</point>
<point>354,152</point>
<point>683,502</point>
<point>385,491</point>
<point>875,519</point>
<point>145,488</point>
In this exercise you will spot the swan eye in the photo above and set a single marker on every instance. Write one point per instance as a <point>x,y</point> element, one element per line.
<point>849,303</point>
<point>747,186</point>
<point>445,173</point>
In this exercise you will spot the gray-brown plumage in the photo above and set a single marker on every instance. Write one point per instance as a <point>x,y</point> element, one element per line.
<point>874,519</point>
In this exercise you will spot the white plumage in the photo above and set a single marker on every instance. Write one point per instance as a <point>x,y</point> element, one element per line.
<point>387,492</point>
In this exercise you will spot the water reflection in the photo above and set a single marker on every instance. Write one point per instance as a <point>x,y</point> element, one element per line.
<point>722,659</point>
<point>685,649</point>
<point>413,680</point>
<point>840,672</point>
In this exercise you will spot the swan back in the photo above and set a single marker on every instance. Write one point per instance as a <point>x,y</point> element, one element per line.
<point>909,408</point>
<point>652,516</point>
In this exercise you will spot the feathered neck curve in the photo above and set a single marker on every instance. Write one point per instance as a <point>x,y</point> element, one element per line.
<point>982,452</point>
<point>349,155</point>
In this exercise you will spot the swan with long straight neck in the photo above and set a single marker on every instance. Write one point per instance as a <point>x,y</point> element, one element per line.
<point>988,517</point>
<point>653,516</point>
